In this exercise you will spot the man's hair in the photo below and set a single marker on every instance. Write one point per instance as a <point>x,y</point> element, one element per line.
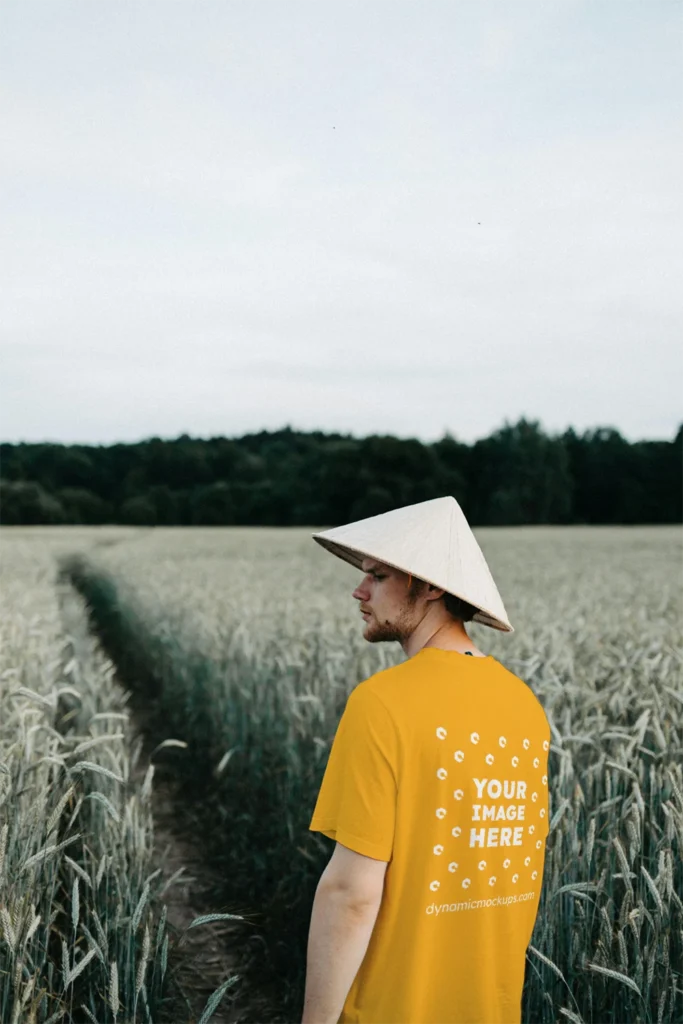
<point>455,606</point>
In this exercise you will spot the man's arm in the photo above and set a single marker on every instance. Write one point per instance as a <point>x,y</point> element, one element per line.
<point>337,941</point>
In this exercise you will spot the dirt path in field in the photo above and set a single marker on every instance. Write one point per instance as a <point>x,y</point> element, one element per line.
<point>206,955</point>
<point>203,960</point>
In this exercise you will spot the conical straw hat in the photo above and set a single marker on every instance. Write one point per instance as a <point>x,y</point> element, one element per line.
<point>431,540</point>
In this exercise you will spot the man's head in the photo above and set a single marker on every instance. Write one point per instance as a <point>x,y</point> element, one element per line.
<point>397,603</point>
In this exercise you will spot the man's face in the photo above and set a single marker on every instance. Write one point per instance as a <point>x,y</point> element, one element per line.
<point>394,612</point>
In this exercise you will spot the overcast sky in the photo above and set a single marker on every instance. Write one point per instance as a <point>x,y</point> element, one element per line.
<point>403,218</point>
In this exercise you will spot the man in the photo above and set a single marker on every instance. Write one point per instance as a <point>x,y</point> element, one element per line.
<point>435,792</point>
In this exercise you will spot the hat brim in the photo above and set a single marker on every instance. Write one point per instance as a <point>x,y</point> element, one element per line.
<point>354,556</point>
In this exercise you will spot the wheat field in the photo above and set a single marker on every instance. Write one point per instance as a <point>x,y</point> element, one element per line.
<point>83,933</point>
<point>245,643</point>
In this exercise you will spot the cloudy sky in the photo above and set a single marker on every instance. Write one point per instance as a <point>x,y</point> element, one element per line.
<point>392,217</point>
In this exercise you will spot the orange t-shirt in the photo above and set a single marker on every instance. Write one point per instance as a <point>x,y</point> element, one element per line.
<point>439,766</point>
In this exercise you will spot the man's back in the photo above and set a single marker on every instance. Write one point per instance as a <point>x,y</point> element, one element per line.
<point>439,766</point>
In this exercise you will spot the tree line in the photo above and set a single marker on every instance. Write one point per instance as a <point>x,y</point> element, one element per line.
<point>517,475</point>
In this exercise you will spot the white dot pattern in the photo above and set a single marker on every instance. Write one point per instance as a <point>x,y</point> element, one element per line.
<point>492,801</point>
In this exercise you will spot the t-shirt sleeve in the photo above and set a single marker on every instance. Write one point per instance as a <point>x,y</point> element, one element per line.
<point>356,804</point>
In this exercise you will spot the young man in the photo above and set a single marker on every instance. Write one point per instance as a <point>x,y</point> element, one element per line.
<point>435,792</point>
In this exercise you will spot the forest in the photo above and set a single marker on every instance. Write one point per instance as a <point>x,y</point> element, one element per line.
<point>517,475</point>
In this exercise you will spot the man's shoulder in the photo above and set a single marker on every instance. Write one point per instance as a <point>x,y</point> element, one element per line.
<point>524,687</point>
<point>384,683</point>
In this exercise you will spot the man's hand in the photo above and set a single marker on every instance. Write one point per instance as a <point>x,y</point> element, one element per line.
<point>337,942</point>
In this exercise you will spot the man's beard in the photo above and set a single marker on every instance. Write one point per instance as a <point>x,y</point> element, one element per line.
<point>383,631</point>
